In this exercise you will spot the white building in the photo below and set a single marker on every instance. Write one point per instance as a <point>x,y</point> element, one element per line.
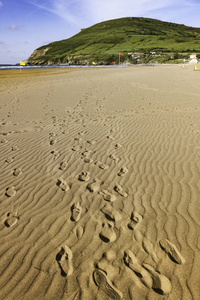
<point>193,59</point>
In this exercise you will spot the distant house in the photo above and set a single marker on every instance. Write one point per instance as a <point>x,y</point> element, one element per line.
<point>193,55</point>
<point>137,55</point>
<point>193,59</point>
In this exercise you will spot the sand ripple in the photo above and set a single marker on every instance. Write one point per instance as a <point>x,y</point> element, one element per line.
<point>123,133</point>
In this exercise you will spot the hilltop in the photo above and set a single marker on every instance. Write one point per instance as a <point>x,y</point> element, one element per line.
<point>132,36</point>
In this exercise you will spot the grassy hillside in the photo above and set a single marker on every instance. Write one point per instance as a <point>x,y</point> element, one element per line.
<point>105,40</point>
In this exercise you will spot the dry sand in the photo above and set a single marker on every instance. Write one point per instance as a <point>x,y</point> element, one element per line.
<point>100,183</point>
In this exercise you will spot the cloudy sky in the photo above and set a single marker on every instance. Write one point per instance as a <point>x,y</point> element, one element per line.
<point>28,24</point>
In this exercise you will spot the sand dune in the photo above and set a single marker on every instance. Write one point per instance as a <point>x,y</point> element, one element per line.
<point>99,189</point>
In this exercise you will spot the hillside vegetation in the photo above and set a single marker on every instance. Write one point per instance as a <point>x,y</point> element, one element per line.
<point>103,42</point>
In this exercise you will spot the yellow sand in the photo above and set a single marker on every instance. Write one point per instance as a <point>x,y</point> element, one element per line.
<point>134,133</point>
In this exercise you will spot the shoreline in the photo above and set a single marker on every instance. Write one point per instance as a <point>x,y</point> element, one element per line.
<point>38,71</point>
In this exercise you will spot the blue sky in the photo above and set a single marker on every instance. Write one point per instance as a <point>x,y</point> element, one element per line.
<point>28,24</point>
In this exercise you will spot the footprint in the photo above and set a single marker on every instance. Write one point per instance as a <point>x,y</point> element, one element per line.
<point>114,157</point>
<point>91,142</point>
<point>172,251</point>
<point>122,171</point>
<point>17,172</point>
<point>106,264</point>
<point>132,262</point>
<point>102,166</point>
<point>51,134</point>
<point>148,247</point>
<point>76,211</point>
<point>3,141</point>
<point>110,255</point>
<point>64,259</point>
<point>78,139</point>
<point>14,148</point>
<point>120,190</point>
<point>94,186</point>
<point>110,213</point>
<point>136,218</point>
<point>10,191</point>
<point>13,218</point>
<point>63,184</point>
<point>87,160</point>
<point>79,232</point>
<point>53,141</point>
<point>86,153</point>
<point>81,133</point>
<point>9,160</point>
<point>55,153</point>
<point>102,281</point>
<point>117,146</point>
<point>110,137</point>
<point>107,233</point>
<point>63,165</point>
<point>76,148</point>
<point>107,195</point>
<point>161,283</point>
<point>84,176</point>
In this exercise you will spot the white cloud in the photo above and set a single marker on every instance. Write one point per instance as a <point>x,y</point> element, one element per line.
<point>15,27</point>
<point>105,9</point>
<point>88,12</point>
<point>66,10</point>
<point>99,10</point>
<point>79,12</point>
<point>1,3</point>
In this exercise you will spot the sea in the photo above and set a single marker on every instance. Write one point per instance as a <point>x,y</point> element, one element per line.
<point>13,67</point>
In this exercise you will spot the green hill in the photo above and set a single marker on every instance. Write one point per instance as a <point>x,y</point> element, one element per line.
<point>103,42</point>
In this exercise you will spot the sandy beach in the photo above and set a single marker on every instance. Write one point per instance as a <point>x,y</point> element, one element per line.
<point>100,183</point>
